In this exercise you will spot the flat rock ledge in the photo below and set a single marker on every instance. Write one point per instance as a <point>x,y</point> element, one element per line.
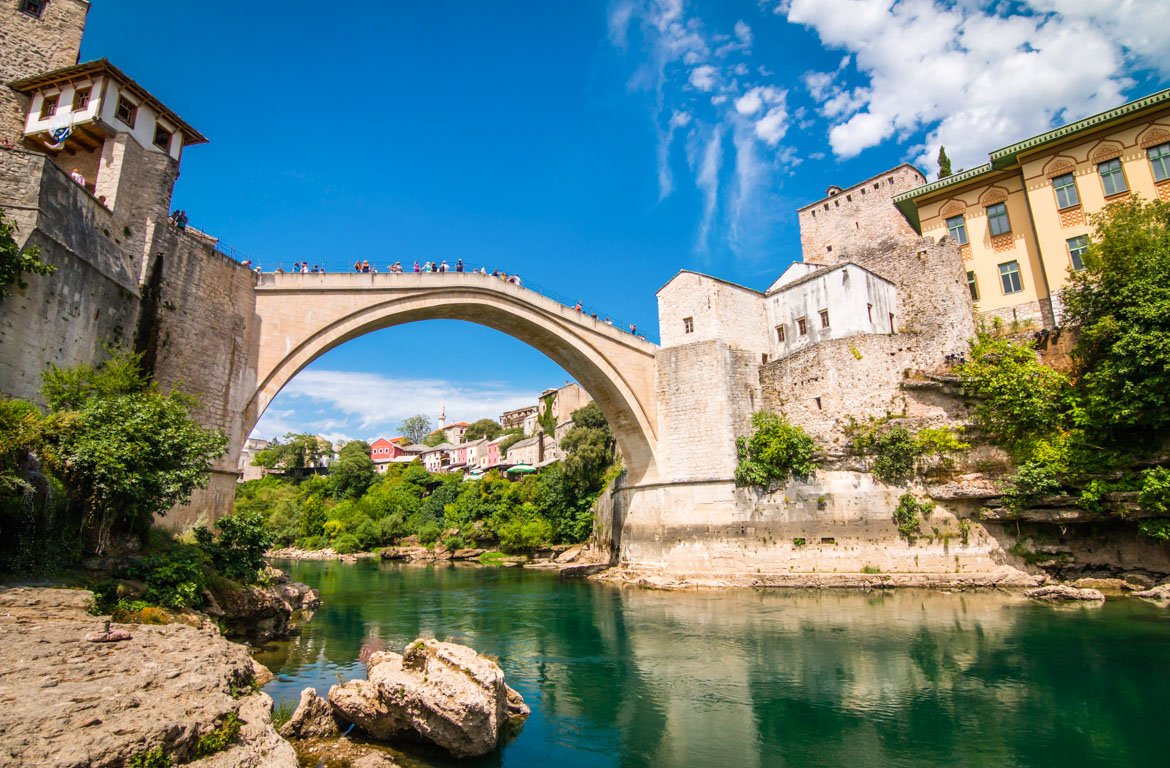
<point>1062,593</point>
<point>1159,594</point>
<point>69,703</point>
<point>1004,578</point>
<point>441,693</point>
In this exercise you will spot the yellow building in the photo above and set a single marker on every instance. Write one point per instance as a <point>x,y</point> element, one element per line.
<point>1022,220</point>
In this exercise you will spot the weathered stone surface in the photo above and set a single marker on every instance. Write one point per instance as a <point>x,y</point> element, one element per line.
<point>443,693</point>
<point>1159,593</point>
<point>261,613</point>
<point>1106,586</point>
<point>313,719</point>
<point>343,751</point>
<point>1062,593</point>
<point>468,554</point>
<point>66,703</point>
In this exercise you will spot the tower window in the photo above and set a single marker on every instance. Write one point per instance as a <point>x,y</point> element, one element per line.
<point>33,8</point>
<point>48,106</point>
<point>81,98</point>
<point>824,318</point>
<point>688,325</point>
<point>127,111</point>
<point>162,138</point>
<point>802,326</point>
<point>780,333</point>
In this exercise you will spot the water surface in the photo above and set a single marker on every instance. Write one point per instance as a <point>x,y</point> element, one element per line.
<point>626,677</point>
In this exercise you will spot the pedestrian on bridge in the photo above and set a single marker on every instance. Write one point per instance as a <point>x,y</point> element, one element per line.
<point>459,265</point>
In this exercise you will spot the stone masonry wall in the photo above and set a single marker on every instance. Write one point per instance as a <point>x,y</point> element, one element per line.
<point>832,228</point>
<point>31,46</point>
<point>718,311</point>
<point>64,318</point>
<point>200,334</point>
<point>706,393</point>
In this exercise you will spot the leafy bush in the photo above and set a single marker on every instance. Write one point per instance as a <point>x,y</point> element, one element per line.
<point>155,758</point>
<point>775,451</point>
<point>1155,490</point>
<point>238,550</point>
<point>1157,529</point>
<point>896,452</point>
<point>221,738</point>
<point>1043,474</point>
<point>909,514</point>
<point>174,579</point>
<point>429,533</point>
<point>347,543</point>
<point>15,261</point>
<point>524,535</point>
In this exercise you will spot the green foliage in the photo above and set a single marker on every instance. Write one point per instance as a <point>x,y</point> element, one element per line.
<point>519,536</point>
<point>347,543</point>
<point>896,452</point>
<point>435,438</point>
<point>174,579</point>
<point>221,738</point>
<point>547,419</point>
<point>295,452</point>
<point>1155,490</point>
<point>69,389</point>
<point>353,472</point>
<point>237,550</point>
<point>1020,398</point>
<point>1157,529</point>
<point>944,163</point>
<point>871,569</point>
<point>775,451</point>
<point>155,758</point>
<point>939,442</point>
<point>512,436</point>
<point>799,542</point>
<point>1121,305</point>
<point>1043,473</point>
<point>16,261</point>
<point>415,428</point>
<point>909,514</point>
<point>483,429</point>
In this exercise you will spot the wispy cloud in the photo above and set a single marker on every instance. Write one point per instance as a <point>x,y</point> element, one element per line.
<point>346,405</point>
<point>705,74</point>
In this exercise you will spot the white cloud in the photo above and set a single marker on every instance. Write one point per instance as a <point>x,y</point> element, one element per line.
<point>772,127</point>
<point>707,179</point>
<point>704,77</point>
<point>970,74</point>
<point>347,405</point>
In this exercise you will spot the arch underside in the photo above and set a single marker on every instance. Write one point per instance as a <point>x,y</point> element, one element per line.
<point>618,375</point>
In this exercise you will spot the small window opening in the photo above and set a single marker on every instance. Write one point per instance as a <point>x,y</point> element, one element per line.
<point>836,203</point>
<point>81,99</point>
<point>780,333</point>
<point>33,8</point>
<point>892,323</point>
<point>688,325</point>
<point>802,326</point>
<point>849,198</point>
<point>869,312</point>
<point>828,540</point>
<point>127,111</point>
<point>824,318</point>
<point>162,138</point>
<point>828,249</point>
<point>48,106</point>
<point>764,358</point>
<point>818,401</point>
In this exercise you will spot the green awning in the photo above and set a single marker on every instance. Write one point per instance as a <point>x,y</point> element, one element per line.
<point>523,468</point>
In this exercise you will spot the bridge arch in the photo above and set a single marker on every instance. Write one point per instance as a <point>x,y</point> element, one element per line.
<point>301,317</point>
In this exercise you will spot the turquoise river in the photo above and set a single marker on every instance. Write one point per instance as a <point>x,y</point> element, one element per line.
<point>633,677</point>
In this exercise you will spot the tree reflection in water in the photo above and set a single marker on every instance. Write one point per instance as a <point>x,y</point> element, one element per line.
<point>626,677</point>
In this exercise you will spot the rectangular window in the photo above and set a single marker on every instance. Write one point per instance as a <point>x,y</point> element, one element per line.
<point>33,8</point>
<point>1076,251</point>
<point>973,286</point>
<point>81,98</point>
<point>997,219</point>
<point>824,318</point>
<point>869,312</point>
<point>1112,177</point>
<point>1009,275</point>
<point>780,333</point>
<point>802,326</point>
<point>127,111</point>
<point>48,106</point>
<point>162,139</point>
<point>957,229</point>
<point>1160,160</point>
<point>688,325</point>
<point>1066,191</point>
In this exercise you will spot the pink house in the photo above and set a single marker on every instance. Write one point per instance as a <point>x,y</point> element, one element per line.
<point>383,452</point>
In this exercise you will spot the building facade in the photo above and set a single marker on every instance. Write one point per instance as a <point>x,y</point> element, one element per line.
<point>1023,220</point>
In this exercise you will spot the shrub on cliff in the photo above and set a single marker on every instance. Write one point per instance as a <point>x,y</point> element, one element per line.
<point>775,451</point>
<point>15,261</point>
<point>237,546</point>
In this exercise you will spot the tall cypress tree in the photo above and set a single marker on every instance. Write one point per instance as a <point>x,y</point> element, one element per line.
<point>944,163</point>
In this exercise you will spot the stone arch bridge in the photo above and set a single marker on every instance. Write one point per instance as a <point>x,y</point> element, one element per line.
<point>303,316</point>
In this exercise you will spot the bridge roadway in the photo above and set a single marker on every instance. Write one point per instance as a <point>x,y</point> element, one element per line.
<point>303,316</point>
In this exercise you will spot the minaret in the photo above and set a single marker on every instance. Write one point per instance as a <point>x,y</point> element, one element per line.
<point>442,413</point>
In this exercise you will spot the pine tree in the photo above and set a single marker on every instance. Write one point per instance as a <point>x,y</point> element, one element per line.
<point>944,163</point>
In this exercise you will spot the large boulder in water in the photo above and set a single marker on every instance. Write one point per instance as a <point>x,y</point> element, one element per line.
<point>442,693</point>
<point>312,719</point>
<point>1061,593</point>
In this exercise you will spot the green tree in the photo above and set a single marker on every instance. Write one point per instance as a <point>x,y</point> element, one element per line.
<point>438,437</point>
<point>415,428</point>
<point>237,546</point>
<point>125,456</point>
<point>484,428</point>
<point>16,261</point>
<point>353,472</point>
<point>944,163</point>
<point>294,452</point>
<point>511,437</point>
<point>775,451</point>
<point>1120,304</point>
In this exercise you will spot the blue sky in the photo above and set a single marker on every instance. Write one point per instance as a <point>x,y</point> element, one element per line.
<point>595,147</point>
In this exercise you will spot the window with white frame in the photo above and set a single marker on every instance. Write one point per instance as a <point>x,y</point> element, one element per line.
<point>48,106</point>
<point>1160,161</point>
<point>1009,275</point>
<point>957,229</point>
<point>1065,187</point>
<point>780,333</point>
<point>1076,251</point>
<point>997,219</point>
<point>127,111</point>
<point>1112,177</point>
<point>824,313</point>
<point>802,326</point>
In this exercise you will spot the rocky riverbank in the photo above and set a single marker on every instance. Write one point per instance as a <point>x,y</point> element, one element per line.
<point>553,556</point>
<point>174,691</point>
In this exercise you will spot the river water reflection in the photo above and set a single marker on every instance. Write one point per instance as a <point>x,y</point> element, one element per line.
<point>622,677</point>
